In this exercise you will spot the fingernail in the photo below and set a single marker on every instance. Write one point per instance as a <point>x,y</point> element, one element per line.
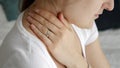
<point>62,15</point>
<point>32,26</point>
<point>37,10</point>
<point>31,14</point>
<point>28,18</point>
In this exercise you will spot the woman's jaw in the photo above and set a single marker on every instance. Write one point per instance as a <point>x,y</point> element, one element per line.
<point>73,18</point>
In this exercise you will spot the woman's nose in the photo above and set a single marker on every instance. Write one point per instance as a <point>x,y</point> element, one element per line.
<point>109,5</point>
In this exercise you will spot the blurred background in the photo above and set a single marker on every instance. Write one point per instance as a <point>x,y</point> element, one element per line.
<point>108,25</point>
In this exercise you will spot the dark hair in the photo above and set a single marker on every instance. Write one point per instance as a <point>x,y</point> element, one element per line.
<point>24,4</point>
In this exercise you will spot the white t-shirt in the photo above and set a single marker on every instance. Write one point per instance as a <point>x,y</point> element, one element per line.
<point>20,49</point>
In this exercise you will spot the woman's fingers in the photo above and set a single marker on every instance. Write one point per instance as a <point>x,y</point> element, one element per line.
<point>53,19</point>
<point>50,17</point>
<point>44,22</point>
<point>60,23</point>
<point>41,29</point>
<point>64,21</point>
<point>40,35</point>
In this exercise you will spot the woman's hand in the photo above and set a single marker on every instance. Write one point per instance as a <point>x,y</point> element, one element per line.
<point>58,36</point>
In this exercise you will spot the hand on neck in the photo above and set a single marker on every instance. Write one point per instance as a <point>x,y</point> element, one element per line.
<point>38,5</point>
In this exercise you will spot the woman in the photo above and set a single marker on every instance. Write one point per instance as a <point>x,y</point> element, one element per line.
<point>55,34</point>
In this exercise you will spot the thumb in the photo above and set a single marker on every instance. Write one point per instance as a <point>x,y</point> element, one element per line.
<point>63,20</point>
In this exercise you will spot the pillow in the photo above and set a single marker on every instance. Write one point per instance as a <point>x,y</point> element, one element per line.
<point>11,8</point>
<point>2,15</point>
<point>5,27</point>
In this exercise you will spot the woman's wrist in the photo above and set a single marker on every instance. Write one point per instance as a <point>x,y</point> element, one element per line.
<point>78,64</point>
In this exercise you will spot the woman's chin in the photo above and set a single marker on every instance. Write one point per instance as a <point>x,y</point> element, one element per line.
<point>96,17</point>
<point>89,26</point>
<point>86,24</point>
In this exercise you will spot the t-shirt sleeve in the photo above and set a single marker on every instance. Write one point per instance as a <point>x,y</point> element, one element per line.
<point>18,59</point>
<point>93,35</point>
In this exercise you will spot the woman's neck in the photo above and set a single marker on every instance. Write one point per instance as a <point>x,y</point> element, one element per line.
<point>49,6</point>
<point>38,5</point>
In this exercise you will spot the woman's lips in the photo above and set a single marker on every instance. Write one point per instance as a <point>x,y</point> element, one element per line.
<point>97,16</point>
